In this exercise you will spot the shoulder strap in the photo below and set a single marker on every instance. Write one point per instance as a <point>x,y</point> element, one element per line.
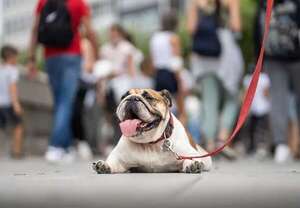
<point>56,2</point>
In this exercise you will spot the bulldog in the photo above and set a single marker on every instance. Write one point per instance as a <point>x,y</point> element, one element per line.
<point>152,137</point>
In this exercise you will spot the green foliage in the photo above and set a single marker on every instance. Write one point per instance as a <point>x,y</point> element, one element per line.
<point>248,10</point>
<point>23,56</point>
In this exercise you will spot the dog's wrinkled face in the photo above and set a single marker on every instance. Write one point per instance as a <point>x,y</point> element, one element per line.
<point>143,114</point>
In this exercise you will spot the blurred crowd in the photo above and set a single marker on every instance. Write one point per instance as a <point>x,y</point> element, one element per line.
<point>88,81</point>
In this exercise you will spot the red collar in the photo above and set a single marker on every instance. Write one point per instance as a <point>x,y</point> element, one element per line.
<point>168,131</point>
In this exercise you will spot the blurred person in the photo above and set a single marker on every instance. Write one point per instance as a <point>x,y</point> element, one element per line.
<point>192,105</point>
<point>85,101</point>
<point>282,64</point>
<point>121,54</point>
<point>10,107</point>
<point>56,27</point>
<point>138,56</point>
<point>165,49</point>
<point>259,117</point>
<point>217,65</point>
<point>293,128</point>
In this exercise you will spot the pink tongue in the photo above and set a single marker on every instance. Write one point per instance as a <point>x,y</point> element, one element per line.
<point>129,127</point>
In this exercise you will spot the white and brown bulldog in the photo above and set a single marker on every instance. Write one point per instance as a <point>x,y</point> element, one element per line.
<point>152,136</point>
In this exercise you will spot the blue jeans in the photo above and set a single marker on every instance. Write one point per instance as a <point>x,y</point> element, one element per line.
<point>64,73</point>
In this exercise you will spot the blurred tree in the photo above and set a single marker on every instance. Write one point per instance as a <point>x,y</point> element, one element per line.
<point>248,11</point>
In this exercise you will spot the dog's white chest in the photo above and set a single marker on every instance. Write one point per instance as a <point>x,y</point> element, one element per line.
<point>154,159</point>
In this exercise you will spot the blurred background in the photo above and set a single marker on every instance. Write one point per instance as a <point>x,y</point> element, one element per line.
<point>207,100</point>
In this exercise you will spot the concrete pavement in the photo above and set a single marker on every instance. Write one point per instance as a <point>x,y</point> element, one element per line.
<point>33,183</point>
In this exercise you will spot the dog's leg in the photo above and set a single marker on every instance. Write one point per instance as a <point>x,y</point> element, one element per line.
<point>117,161</point>
<point>192,166</point>
<point>109,166</point>
<point>101,167</point>
<point>207,161</point>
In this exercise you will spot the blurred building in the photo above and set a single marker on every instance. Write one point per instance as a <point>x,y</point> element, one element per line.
<point>16,16</point>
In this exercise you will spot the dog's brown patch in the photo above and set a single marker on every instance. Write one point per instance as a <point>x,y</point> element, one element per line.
<point>151,92</point>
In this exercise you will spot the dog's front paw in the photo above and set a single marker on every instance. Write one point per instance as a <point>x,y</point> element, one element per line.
<point>101,167</point>
<point>194,167</point>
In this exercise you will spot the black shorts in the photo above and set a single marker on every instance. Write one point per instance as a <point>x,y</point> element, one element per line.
<point>166,79</point>
<point>9,117</point>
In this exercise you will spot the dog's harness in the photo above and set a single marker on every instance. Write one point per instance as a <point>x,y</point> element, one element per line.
<point>167,145</point>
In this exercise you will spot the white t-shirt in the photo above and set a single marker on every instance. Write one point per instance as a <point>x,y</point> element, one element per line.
<point>261,104</point>
<point>8,75</point>
<point>161,49</point>
<point>118,55</point>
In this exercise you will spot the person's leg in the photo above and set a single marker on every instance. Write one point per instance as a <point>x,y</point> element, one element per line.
<point>262,137</point>
<point>295,74</point>
<point>54,71</point>
<point>83,146</point>
<point>111,117</point>
<point>91,125</point>
<point>279,93</point>
<point>228,116</point>
<point>9,117</point>
<point>76,119</point>
<point>78,115</point>
<point>17,137</point>
<point>17,141</point>
<point>64,73</point>
<point>252,130</point>
<point>227,120</point>
<point>210,109</point>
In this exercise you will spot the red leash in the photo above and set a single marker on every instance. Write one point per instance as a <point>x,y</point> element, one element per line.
<point>250,92</point>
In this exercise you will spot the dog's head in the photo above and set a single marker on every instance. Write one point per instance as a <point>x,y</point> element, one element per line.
<point>144,114</point>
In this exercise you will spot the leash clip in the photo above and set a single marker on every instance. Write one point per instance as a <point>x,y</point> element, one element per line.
<point>168,147</point>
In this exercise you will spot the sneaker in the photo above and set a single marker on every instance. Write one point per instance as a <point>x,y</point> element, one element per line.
<point>84,151</point>
<point>54,154</point>
<point>282,153</point>
<point>229,153</point>
<point>261,154</point>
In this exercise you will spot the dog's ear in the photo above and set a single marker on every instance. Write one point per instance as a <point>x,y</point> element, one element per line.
<point>125,95</point>
<point>167,97</point>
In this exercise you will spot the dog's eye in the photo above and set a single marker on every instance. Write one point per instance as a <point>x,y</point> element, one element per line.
<point>147,96</point>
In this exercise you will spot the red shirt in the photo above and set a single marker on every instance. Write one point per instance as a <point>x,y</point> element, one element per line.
<point>78,9</point>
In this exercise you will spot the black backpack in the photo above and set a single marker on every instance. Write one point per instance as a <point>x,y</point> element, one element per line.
<point>206,40</point>
<point>55,26</point>
<point>284,38</point>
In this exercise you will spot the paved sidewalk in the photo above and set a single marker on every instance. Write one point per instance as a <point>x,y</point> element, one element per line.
<point>34,183</point>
